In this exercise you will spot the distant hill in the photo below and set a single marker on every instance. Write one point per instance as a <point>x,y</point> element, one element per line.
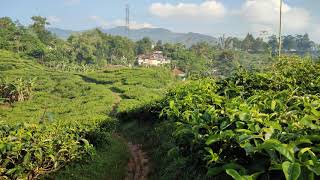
<point>166,36</point>
<point>62,33</point>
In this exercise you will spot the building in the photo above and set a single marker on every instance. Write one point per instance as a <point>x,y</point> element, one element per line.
<point>153,59</point>
<point>179,73</point>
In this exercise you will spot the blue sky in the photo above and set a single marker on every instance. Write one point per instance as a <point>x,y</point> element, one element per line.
<point>213,17</point>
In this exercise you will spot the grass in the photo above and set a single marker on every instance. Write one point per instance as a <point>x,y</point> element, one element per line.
<point>109,163</point>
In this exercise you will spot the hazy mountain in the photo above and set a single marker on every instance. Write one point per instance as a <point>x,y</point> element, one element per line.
<point>62,33</point>
<point>153,33</point>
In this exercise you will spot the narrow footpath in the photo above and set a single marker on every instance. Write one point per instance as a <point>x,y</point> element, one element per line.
<point>138,165</point>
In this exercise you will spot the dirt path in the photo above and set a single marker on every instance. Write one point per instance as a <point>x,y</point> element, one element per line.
<point>138,168</point>
<point>138,165</point>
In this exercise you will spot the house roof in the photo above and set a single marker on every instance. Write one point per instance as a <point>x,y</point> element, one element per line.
<point>177,72</point>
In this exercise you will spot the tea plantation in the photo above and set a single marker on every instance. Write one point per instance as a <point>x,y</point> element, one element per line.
<point>68,117</point>
<point>58,124</point>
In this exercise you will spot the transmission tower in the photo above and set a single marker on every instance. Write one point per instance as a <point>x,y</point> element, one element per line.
<point>127,26</point>
<point>280,29</point>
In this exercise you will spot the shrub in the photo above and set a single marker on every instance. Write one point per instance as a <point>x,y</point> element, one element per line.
<point>251,125</point>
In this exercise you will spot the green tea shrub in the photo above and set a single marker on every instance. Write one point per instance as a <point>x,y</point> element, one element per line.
<point>28,151</point>
<point>250,125</point>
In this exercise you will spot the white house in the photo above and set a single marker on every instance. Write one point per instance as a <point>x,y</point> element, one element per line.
<point>153,59</point>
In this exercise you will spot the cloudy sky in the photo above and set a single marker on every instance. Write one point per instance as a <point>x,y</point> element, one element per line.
<point>213,17</point>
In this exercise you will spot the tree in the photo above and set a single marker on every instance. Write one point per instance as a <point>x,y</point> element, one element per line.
<point>90,47</point>
<point>273,44</point>
<point>290,42</point>
<point>259,45</point>
<point>144,46</point>
<point>39,23</point>
<point>158,46</point>
<point>169,49</point>
<point>236,43</point>
<point>6,23</point>
<point>121,51</point>
<point>39,27</point>
<point>7,30</point>
<point>303,43</point>
<point>248,42</point>
<point>203,49</point>
<point>15,37</point>
<point>224,63</point>
<point>225,42</point>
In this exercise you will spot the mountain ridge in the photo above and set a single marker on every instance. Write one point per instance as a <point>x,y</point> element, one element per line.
<point>155,34</point>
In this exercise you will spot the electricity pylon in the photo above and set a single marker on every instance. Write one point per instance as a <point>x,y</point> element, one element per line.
<point>280,29</point>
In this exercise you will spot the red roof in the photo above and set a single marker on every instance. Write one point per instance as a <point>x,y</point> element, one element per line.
<point>177,72</point>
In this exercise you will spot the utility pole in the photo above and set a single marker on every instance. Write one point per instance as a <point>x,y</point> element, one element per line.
<point>127,20</point>
<point>280,29</point>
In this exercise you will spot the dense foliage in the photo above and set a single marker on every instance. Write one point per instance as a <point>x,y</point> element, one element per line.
<point>299,44</point>
<point>92,49</point>
<point>251,125</point>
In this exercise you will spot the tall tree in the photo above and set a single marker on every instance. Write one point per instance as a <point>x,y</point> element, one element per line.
<point>39,27</point>
<point>204,49</point>
<point>248,42</point>
<point>159,46</point>
<point>144,46</point>
<point>225,42</point>
<point>259,45</point>
<point>224,63</point>
<point>304,43</point>
<point>273,44</point>
<point>290,42</point>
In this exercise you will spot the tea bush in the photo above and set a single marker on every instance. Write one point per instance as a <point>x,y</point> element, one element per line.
<point>28,151</point>
<point>253,125</point>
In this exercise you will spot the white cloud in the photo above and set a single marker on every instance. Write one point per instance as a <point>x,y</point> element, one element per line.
<point>266,12</point>
<point>207,9</point>
<point>315,34</point>
<point>136,25</point>
<point>297,19</point>
<point>101,22</point>
<point>53,19</point>
<point>317,30</point>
